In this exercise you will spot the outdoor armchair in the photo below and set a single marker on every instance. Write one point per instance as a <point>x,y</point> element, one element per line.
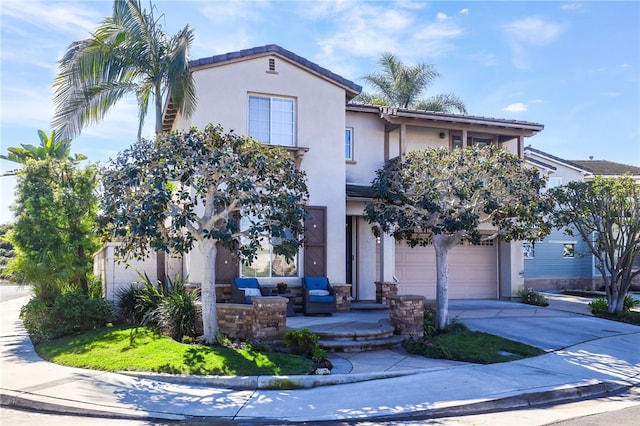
<point>243,289</point>
<point>318,297</point>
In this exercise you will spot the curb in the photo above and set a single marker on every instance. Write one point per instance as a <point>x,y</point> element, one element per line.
<point>46,404</point>
<point>38,403</point>
<point>516,402</point>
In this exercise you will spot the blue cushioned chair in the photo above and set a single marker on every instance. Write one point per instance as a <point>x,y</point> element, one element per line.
<point>318,297</point>
<point>243,289</point>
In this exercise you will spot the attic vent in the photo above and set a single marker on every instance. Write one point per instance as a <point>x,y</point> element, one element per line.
<point>272,65</point>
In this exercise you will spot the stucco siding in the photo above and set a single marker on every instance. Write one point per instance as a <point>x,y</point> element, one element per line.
<point>319,126</point>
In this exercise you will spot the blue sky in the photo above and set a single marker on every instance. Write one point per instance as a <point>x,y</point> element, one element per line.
<point>570,65</point>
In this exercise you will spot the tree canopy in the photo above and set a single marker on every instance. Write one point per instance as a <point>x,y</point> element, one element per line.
<point>49,148</point>
<point>442,197</point>
<point>189,189</point>
<point>605,213</point>
<point>402,86</point>
<point>128,53</point>
<point>54,231</point>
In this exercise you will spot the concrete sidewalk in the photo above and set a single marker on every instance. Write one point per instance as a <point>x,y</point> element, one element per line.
<point>588,357</point>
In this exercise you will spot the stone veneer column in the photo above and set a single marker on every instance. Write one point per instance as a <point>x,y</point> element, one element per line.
<point>269,317</point>
<point>384,290</point>
<point>407,314</point>
<point>343,297</point>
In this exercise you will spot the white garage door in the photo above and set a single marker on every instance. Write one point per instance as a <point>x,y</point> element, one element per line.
<point>472,271</point>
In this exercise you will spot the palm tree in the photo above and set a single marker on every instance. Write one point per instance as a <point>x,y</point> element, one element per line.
<point>49,148</point>
<point>127,54</point>
<point>402,85</point>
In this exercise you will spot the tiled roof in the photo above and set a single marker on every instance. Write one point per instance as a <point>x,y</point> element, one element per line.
<point>445,117</point>
<point>360,191</point>
<point>595,167</point>
<point>274,48</point>
<point>607,168</point>
<point>553,157</point>
<point>539,163</point>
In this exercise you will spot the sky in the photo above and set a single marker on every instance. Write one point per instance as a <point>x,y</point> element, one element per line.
<point>572,66</point>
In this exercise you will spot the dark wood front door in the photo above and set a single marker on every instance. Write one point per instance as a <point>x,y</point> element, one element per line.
<point>315,249</point>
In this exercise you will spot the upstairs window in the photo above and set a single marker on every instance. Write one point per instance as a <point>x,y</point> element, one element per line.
<point>272,120</point>
<point>348,144</point>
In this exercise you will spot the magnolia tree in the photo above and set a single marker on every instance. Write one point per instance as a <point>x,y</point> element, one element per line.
<point>606,215</point>
<point>190,189</point>
<point>442,197</point>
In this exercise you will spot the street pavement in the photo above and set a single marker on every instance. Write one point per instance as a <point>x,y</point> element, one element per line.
<point>587,357</point>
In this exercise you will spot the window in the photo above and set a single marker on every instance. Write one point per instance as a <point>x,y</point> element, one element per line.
<point>479,142</point>
<point>268,264</point>
<point>553,182</point>
<point>528,250</point>
<point>348,144</point>
<point>568,251</point>
<point>271,120</point>
<point>456,142</point>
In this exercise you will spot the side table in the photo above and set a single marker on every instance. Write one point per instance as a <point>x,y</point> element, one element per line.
<point>291,300</point>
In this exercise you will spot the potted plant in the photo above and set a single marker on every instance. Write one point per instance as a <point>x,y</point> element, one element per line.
<point>282,287</point>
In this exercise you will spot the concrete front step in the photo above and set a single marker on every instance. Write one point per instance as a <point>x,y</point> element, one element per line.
<point>358,336</point>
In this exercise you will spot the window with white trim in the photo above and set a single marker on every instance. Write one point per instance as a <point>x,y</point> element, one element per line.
<point>348,144</point>
<point>272,120</point>
<point>568,250</point>
<point>528,250</point>
<point>268,264</point>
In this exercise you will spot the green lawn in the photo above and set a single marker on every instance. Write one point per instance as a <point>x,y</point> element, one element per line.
<point>471,346</point>
<point>141,349</point>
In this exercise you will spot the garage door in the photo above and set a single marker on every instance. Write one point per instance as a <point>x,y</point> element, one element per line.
<point>472,271</point>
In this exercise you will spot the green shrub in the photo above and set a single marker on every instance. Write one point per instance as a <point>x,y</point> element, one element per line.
<point>35,316</point>
<point>137,303</point>
<point>72,311</point>
<point>630,302</point>
<point>301,342</point>
<point>177,314</point>
<point>598,305</point>
<point>171,308</point>
<point>429,323</point>
<point>601,305</point>
<point>532,297</point>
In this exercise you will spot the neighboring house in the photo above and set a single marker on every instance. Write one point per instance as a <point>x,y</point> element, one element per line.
<point>561,261</point>
<point>280,98</point>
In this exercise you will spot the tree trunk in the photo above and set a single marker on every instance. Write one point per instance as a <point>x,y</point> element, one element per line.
<point>208,291</point>
<point>442,243</point>
<point>83,281</point>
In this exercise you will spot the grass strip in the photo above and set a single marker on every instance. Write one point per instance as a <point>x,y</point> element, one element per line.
<point>471,346</point>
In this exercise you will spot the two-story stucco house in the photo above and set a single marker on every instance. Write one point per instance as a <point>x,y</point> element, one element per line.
<point>561,261</point>
<point>280,98</point>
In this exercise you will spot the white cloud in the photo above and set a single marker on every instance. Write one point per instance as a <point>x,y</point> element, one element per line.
<point>528,32</point>
<point>516,107</point>
<point>464,11</point>
<point>535,101</point>
<point>438,31</point>
<point>67,17</point>
<point>534,31</point>
<point>441,16</point>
